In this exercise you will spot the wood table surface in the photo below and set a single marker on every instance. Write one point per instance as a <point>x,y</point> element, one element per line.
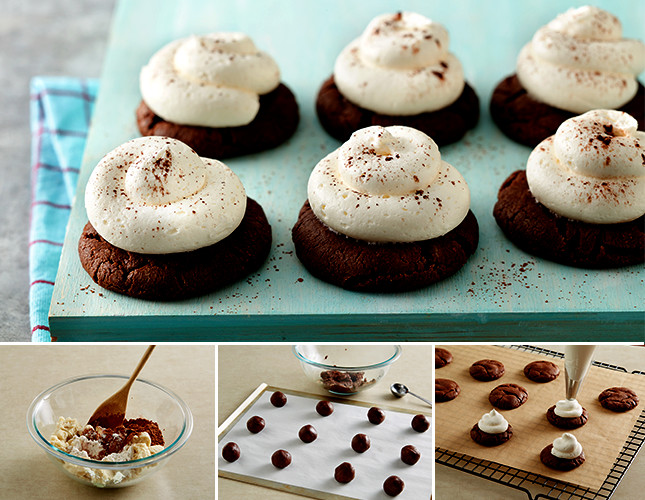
<point>501,293</point>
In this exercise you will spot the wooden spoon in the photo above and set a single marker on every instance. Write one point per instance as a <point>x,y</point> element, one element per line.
<point>111,413</point>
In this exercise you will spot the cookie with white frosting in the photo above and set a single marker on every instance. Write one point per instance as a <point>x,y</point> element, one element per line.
<point>385,213</point>
<point>166,224</point>
<point>217,93</point>
<point>580,201</point>
<point>399,72</point>
<point>567,414</point>
<point>491,430</point>
<point>564,454</point>
<point>576,63</point>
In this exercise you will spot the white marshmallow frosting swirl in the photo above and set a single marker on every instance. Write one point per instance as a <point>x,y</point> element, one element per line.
<point>155,195</point>
<point>492,423</point>
<point>400,65</point>
<point>568,408</point>
<point>579,62</point>
<point>566,446</point>
<point>388,185</point>
<point>592,169</point>
<point>212,80</point>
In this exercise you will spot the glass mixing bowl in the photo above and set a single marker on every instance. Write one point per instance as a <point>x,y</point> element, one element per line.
<point>79,397</point>
<point>346,369</point>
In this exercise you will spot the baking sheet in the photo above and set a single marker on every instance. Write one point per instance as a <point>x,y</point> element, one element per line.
<point>499,287</point>
<point>602,437</point>
<point>311,472</point>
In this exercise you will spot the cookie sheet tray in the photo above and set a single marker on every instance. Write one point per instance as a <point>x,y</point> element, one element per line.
<point>311,473</point>
<point>502,294</point>
<point>536,485</point>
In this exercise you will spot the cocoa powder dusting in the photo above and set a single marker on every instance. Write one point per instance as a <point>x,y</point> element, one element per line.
<point>139,425</point>
<point>114,440</point>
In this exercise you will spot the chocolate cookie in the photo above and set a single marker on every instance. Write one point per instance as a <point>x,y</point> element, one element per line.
<point>508,396</point>
<point>486,370</point>
<point>561,464</point>
<point>618,399</point>
<point>340,117</point>
<point>178,276</point>
<point>564,422</point>
<point>528,121</point>
<point>486,439</point>
<point>538,231</point>
<point>275,122</point>
<point>541,371</point>
<point>442,357</point>
<point>385,267</point>
<point>445,390</point>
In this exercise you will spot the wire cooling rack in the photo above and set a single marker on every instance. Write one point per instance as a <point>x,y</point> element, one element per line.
<point>537,486</point>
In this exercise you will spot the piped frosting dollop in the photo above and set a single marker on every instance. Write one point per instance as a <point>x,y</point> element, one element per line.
<point>213,80</point>
<point>580,61</point>
<point>388,184</point>
<point>155,195</point>
<point>400,65</point>
<point>592,169</point>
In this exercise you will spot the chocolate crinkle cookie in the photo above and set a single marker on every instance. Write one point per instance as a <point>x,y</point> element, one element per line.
<point>539,231</point>
<point>529,121</point>
<point>340,117</point>
<point>445,390</point>
<point>541,371</point>
<point>275,122</point>
<point>486,370</point>
<point>177,276</point>
<point>387,267</point>
<point>618,399</point>
<point>490,440</point>
<point>561,464</point>
<point>508,396</point>
<point>566,423</point>
<point>442,357</point>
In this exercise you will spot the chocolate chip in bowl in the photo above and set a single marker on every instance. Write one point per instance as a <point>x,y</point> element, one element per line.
<point>345,369</point>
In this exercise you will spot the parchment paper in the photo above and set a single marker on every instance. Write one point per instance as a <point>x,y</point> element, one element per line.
<point>312,468</point>
<point>602,437</point>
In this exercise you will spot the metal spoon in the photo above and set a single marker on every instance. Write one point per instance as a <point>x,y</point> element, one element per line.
<point>400,390</point>
<point>111,412</point>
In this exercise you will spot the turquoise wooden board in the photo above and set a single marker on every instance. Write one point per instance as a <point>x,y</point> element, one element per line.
<point>502,294</point>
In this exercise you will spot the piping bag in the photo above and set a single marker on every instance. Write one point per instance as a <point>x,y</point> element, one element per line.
<point>577,359</point>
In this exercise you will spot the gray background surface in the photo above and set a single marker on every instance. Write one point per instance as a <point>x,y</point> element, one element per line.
<point>65,37</point>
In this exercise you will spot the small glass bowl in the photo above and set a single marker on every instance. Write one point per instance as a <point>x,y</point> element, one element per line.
<point>78,398</point>
<point>346,369</point>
